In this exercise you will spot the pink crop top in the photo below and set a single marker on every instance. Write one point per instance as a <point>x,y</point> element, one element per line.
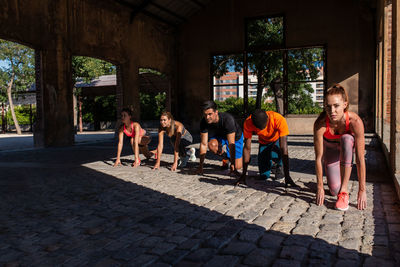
<point>132,134</point>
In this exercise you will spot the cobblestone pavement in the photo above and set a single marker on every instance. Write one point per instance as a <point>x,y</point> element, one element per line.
<point>70,207</point>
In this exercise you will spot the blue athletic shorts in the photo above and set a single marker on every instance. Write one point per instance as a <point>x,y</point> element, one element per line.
<point>238,146</point>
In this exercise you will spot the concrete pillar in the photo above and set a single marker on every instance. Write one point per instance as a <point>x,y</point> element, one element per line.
<point>54,97</point>
<point>130,87</point>
<point>395,96</point>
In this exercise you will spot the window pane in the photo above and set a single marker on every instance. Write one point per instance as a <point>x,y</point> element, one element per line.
<point>306,64</point>
<point>303,98</point>
<point>265,32</point>
<point>228,83</point>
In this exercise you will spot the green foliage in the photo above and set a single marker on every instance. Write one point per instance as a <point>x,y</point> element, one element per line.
<point>19,61</point>
<point>222,63</point>
<point>300,101</point>
<point>87,68</point>
<point>267,32</point>
<point>151,105</point>
<point>235,105</point>
<point>99,108</point>
<point>22,113</point>
<point>147,70</point>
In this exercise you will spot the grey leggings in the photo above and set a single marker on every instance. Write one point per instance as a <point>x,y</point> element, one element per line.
<point>186,140</point>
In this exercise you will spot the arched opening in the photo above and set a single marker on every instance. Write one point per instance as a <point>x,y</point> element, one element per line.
<point>155,95</point>
<point>17,94</point>
<point>95,101</point>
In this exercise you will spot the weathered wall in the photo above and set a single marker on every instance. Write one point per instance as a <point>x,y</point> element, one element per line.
<point>59,29</point>
<point>345,27</point>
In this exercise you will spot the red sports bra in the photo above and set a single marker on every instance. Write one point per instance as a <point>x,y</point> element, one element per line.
<point>329,135</point>
<point>132,134</point>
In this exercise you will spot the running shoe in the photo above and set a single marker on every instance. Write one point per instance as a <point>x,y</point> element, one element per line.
<point>192,154</point>
<point>342,202</point>
<point>278,171</point>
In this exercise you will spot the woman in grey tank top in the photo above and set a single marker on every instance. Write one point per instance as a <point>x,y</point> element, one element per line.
<point>180,139</point>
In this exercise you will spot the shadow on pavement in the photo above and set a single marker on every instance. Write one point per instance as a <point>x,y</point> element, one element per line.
<point>55,211</point>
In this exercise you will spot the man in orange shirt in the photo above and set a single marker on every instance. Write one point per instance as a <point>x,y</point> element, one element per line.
<point>272,131</point>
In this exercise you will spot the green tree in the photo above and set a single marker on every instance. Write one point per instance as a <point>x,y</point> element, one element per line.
<point>266,61</point>
<point>86,69</point>
<point>19,73</point>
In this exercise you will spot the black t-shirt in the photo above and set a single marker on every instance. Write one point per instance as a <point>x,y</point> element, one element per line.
<point>225,125</point>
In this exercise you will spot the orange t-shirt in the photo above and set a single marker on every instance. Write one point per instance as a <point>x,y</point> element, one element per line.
<point>276,127</point>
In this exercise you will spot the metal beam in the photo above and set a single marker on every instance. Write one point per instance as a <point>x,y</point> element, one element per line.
<point>197,3</point>
<point>166,10</point>
<point>143,11</point>
<point>139,9</point>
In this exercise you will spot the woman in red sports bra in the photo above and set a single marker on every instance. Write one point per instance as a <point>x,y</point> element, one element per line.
<point>139,139</point>
<point>337,134</point>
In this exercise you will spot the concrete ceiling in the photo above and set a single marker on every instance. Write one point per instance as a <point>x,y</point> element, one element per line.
<point>171,12</point>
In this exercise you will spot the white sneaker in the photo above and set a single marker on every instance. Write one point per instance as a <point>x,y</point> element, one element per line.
<point>192,154</point>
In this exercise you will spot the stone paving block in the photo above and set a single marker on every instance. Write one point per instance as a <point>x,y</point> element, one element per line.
<point>238,248</point>
<point>283,227</point>
<point>201,255</point>
<point>302,229</point>
<point>348,254</point>
<point>222,260</point>
<point>373,262</point>
<point>346,262</point>
<point>351,233</point>
<point>186,263</point>
<point>143,260</point>
<point>190,244</point>
<point>162,248</point>
<point>187,232</point>
<point>151,241</point>
<point>323,256</point>
<point>381,252</point>
<point>9,255</point>
<point>250,235</point>
<point>294,252</point>
<point>265,221</point>
<point>260,257</point>
<point>329,236</point>
<point>380,240</point>
<point>204,234</point>
<point>248,215</point>
<point>322,246</point>
<point>271,241</point>
<point>351,243</point>
<point>318,262</point>
<point>286,263</point>
<point>174,256</point>
<point>298,240</point>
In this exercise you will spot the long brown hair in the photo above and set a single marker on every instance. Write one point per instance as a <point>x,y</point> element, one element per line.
<point>170,117</point>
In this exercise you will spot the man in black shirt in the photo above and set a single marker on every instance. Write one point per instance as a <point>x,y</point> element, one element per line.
<point>217,130</point>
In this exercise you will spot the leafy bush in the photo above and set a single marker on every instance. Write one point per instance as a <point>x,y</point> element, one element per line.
<point>151,105</point>
<point>235,106</point>
<point>22,114</point>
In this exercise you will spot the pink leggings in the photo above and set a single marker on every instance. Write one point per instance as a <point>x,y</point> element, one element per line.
<point>336,154</point>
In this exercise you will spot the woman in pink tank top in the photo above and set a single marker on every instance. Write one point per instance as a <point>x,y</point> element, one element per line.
<point>139,139</point>
<point>337,134</point>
